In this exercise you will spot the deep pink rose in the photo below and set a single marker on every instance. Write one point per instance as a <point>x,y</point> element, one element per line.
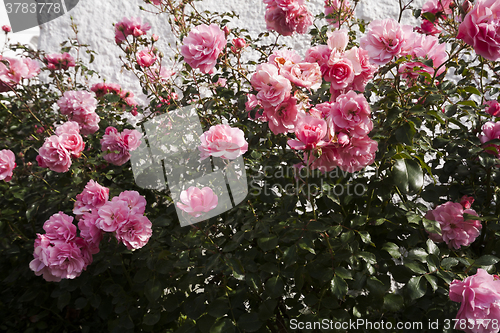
<point>92,197</point>
<point>481,29</point>
<point>135,202</point>
<point>282,119</point>
<point>287,17</point>
<point>195,202</point>
<point>135,233</point>
<point>145,58</point>
<point>441,7</point>
<point>202,46</point>
<point>493,108</point>
<point>328,160</point>
<point>130,26</point>
<point>385,40</point>
<point>112,143</point>
<point>455,231</point>
<point>90,233</point>
<point>479,295</point>
<point>303,74</point>
<point>57,61</point>
<point>6,28</point>
<point>60,227</point>
<point>53,155</point>
<point>112,215</point>
<point>102,88</point>
<point>310,132</point>
<point>131,139</point>
<point>239,43</point>
<point>428,28</point>
<point>7,164</point>
<point>466,201</point>
<point>351,113</point>
<point>491,131</point>
<point>223,141</point>
<point>340,72</point>
<point>358,154</point>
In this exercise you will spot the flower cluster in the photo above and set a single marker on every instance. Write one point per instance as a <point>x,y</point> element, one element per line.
<point>80,106</point>
<point>439,9</point>
<point>119,145</point>
<point>202,46</point>
<point>491,131</point>
<point>197,201</point>
<point>7,164</point>
<point>58,149</point>
<point>223,141</point>
<point>59,61</point>
<point>130,27</point>
<point>455,231</point>
<point>14,70</point>
<point>479,296</point>
<point>127,97</point>
<point>287,16</point>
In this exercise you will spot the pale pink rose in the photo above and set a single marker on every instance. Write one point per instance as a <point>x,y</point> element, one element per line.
<point>60,227</point>
<point>131,139</point>
<point>328,160</point>
<point>262,76</point>
<point>7,164</point>
<point>428,28</point>
<point>358,154</point>
<point>135,233</point>
<point>340,72</point>
<point>221,82</point>
<point>479,296</point>
<point>319,54</point>
<point>57,61</point>
<point>337,11</point>
<point>338,40</point>
<point>363,68</point>
<point>90,233</point>
<point>69,127</point>
<point>481,29</point>
<point>491,131</point>
<point>70,138</point>
<point>385,40</point>
<point>145,58</point>
<point>276,90</point>
<point>455,231</point>
<point>283,118</point>
<point>223,141</point>
<point>112,215</point>
<point>12,73</point>
<point>89,123</point>
<point>33,68</point>
<point>159,74</point>
<point>130,26</point>
<point>253,103</point>
<point>195,202</point>
<point>202,46</point>
<point>77,103</point>
<point>53,155</point>
<point>441,7</point>
<point>92,197</point>
<point>351,113</point>
<point>310,132</point>
<point>135,202</point>
<point>303,74</point>
<point>466,201</point>
<point>493,108</point>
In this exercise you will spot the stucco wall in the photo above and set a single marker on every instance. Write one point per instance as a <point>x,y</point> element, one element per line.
<point>95,17</point>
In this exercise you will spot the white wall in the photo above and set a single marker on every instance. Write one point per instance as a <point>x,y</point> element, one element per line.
<point>95,17</point>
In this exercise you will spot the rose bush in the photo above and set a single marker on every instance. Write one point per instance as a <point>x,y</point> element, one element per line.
<point>371,163</point>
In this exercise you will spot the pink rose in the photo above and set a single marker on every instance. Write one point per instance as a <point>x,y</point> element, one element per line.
<point>131,139</point>
<point>357,155</point>
<point>493,108</point>
<point>159,73</point>
<point>385,40</point>
<point>363,69</point>
<point>310,132</point>
<point>60,227</point>
<point>195,202</point>
<point>69,127</point>
<point>202,46</point>
<point>479,295</point>
<point>481,29</point>
<point>7,164</point>
<point>283,57</point>
<point>33,68</point>
<point>77,103</point>
<point>112,143</point>
<point>57,61</point>
<point>223,141</point>
<point>287,17</point>
<point>303,74</point>
<point>441,7</point>
<point>273,88</point>
<point>13,73</point>
<point>340,72</point>
<point>338,40</point>
<point>89,123</point>
<point>466,201</point>
<point>101,89</point>
<point>93,196</point>
<point>132,26</point>
<point>6,28</point>
<point>491,131</point>
<point>145,58</point>
<point>337,11</point>
<point>239,43</point>
<point>90,233</point>
<point>351,113</point>
<point>455,231</point>
<point>282,119</point>
<point>70,138</point>
<point>112,215</point>
<point>53,155</point>
<point>135,233</point>
<point>135,202</point>
<point>428,28</point>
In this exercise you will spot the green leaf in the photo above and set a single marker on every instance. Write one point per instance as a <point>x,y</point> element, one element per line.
<point>486,260</point>
<point>393,302</point>
<point>218,308</point>
<point>416,287</point>
<point>268,243</point>
<point>153,290</point>
<point>404,134</point>
<point>431,247</point>
<point>393,249</point>
<point>416,267</point>
<point>275,286</point>
<point>249,322</point>
<point>151,318</point>
<point>407,175</point>
<point>472,90</point>
<point>365,237</point>
<point>63,300</point>
<point>290,256</point>
<point>368,257</point>
<point>433,281</point>
<point>432,226</point>
<point>224,325</point>
<point>447,263</point>
<point>343,273</point>
<point>338,287</point>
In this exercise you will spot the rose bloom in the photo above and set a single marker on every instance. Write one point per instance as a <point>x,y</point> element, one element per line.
<point>455,231</point>
<point>112,143</point>
<point>466,201</point>
<point>491,131</point>
<point>145,58</point>
<point>441,7</point>
<point>77,103</point>
<point>319,54</point>
<point>493,108</point>
<point>363,69</point>
<point>103,88</point>
<point>130,26</point>
<point>159,73</point>
<point>202,46</point>
<point>131,139</point>
<point>303,74</point>
<point>287,17</point>
<point>481,29</point>
<point>428,28</point>
<point>57,61</point>
<point>6,28</point>
<point>479,296</point>
<point>112,215</point>
<point>282,119</point>
<point>89,123</point>
<point>93,196</point>
<point>272,88</point>
<point>283,57</point>
<point>13,73</point>
<point>358,154</point>
<point>385,40</point>
<point>53,155</point>
<point>195,202</point>
<point>340,72</point>
<point>70,138</point>
<point>239,43</point>
<point>351,113</point>
<point>338,40</point>
<point>223,141</point>
<point>310,132</point>
<point>60,227</point>
<point>90,233</point>
<point>135,202</point>
<point>135,233</point>
<point>332,9</point>
<point>7,164</point>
